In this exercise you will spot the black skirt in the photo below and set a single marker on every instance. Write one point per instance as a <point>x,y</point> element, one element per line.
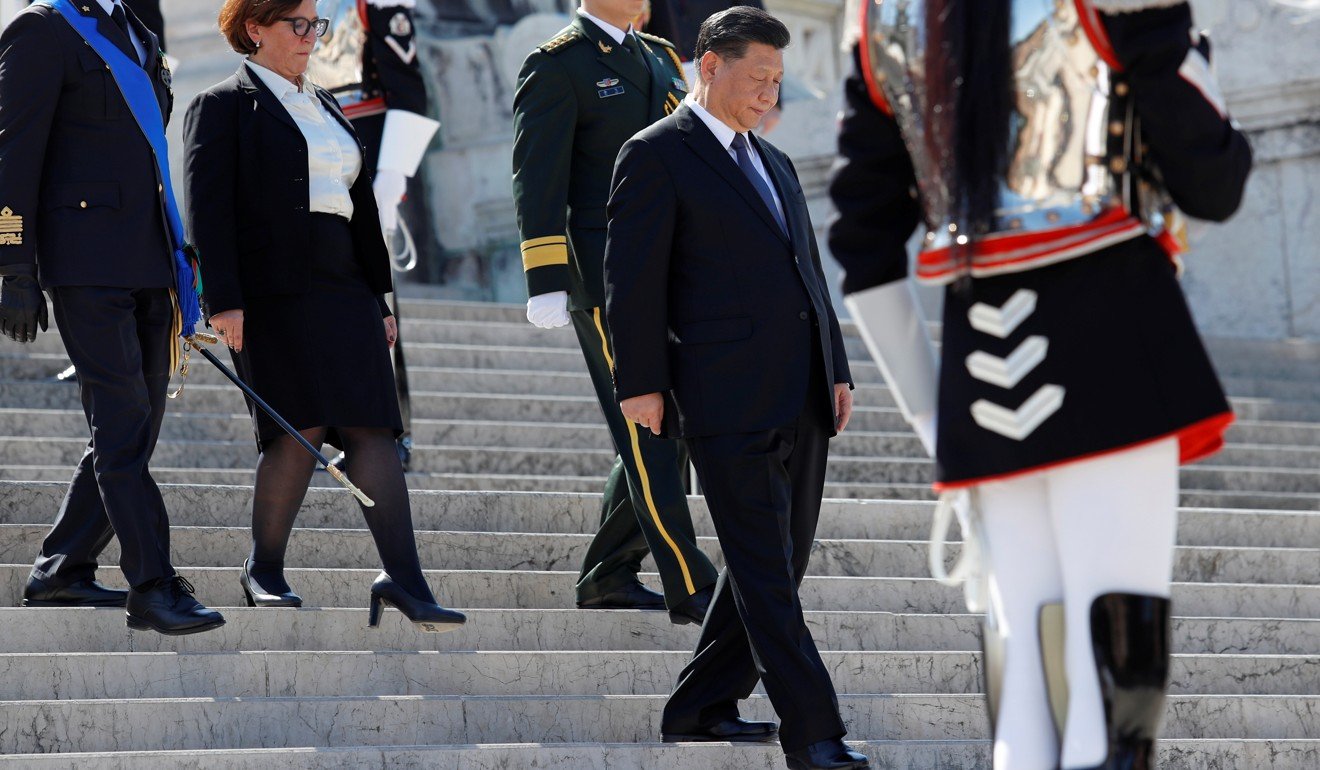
<point>1069,361</point>
<point>320,358</point>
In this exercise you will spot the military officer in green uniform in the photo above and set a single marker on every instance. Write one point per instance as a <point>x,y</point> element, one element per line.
<point>580,97</point>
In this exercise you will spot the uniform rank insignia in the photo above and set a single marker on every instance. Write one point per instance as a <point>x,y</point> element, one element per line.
<point>11,228</point>
<point>166,76</point>
<point>612,91</point>
<point>607,83</point>
<point>680,85</point>
<point>604,48</point>
<point>400,25</point>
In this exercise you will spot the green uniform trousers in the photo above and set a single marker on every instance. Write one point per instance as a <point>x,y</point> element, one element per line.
<point>645,504</point>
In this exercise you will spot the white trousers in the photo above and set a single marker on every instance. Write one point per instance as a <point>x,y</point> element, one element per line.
<point>1071,534</point>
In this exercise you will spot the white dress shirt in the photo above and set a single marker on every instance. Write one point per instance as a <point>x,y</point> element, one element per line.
<point>109,7</point>
<point>724,135</point>
<point>610,29</point>
<point>333,157</point>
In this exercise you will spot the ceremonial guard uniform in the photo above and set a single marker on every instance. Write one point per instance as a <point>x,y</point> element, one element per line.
<point>1045,153</point>
<point>368,61</point>
<point>86,202</point>
<point>580,97</point>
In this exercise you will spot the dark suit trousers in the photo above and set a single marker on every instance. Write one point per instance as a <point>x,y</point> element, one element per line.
<point>119,341</point>
<point>764,490</point>
<point>645,503</point>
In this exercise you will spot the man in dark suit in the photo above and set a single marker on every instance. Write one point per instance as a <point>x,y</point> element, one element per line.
<point>724,335</point>
<point>82,202</point>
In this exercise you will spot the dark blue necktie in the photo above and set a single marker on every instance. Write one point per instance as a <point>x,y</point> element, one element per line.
<point>743,152</point>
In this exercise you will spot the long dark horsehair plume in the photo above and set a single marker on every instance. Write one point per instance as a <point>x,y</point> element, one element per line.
<point>969,107</point>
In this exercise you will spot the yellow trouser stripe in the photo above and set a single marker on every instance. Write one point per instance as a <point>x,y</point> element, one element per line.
<point>641,467</point>
<point>544,255</point>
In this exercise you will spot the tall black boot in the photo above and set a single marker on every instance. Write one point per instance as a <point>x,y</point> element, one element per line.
<point>1130,636</point>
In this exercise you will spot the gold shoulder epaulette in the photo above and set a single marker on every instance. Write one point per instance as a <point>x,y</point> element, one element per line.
<point>561,42</point>
<point>655,39</point>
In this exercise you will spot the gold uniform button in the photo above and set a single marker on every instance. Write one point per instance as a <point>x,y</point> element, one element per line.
<point>82,204</point>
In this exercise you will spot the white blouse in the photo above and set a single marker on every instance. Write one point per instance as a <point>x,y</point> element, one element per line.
<point>334,159</point>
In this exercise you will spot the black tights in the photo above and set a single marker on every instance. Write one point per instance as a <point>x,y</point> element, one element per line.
<point>283,473</point>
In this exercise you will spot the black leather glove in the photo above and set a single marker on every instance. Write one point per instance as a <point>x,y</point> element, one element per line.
<point>22,306</point>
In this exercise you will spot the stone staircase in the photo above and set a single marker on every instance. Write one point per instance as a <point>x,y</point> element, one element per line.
<point>510,459</point>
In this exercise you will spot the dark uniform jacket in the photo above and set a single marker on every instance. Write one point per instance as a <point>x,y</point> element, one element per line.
<point>708,300</point>
<point>389,62</point>
<point>580,97</point>
<point>253,235</point>
<point>80,191</point>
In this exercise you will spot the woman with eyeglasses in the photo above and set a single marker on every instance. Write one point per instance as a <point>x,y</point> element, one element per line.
<point>295,275</point>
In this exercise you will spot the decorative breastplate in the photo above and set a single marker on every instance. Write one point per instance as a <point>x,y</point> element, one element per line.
<point>1066,192</point>
<point>337,63</point>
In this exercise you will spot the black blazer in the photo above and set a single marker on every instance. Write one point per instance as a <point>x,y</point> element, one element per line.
<point>245,173</point>
<point>707,300</point>
<point>75,169</point>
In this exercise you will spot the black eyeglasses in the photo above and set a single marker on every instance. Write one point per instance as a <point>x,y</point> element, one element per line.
<point>302,26</point>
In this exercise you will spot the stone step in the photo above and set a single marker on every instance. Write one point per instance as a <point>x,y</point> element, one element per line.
<point>355,549</point>
<point>237,426</point>
<point>529,589</point>
<point>578,513</point>
<point>49,451</point>
<point>1192,498</point>
<point>445,366</point>
<point>59,630</point>
<point>1187,754</point>
<point>184,723</point>
<point>320,674</point>
<point>227,399</point>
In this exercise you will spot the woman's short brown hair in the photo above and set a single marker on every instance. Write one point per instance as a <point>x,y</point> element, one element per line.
<point>235,14</point>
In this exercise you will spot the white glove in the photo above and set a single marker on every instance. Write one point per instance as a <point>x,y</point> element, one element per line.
<point>924,425</point>
<point>890,322</point>
<point>389,188</point>
<point>548,311</point>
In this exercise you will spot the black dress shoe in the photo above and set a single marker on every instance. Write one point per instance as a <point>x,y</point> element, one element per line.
<point>79,593</point>
<point>833,754</point>
<point>736,730</point>
<point>169,608</point>
<point>426,615</point>
<point>633,596</point>
<point>269,592</point>
<point>694,608</point>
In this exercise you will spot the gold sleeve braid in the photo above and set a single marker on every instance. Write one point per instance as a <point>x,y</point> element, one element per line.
<point>545,251</point>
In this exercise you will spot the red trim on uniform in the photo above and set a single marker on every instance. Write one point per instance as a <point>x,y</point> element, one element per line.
<point>1095,32</point>
<point>864,50</point>
<point>1170,243</point>
<point>1195,442</point>
<point>1039,246</point>
<point>362,13</point>
<point>364,109</point>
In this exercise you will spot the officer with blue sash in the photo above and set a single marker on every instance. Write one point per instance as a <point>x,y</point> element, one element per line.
<point>87,212</point>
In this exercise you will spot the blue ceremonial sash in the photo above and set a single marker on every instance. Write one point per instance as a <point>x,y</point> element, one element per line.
<point>140,94</point>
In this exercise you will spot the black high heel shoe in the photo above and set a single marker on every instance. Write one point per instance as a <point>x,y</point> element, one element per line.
<point>259,596</point>
<point>427,616</point>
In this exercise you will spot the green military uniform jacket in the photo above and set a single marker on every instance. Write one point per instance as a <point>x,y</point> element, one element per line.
<point>580,97</point>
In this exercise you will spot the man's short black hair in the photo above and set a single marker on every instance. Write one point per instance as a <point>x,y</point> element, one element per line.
<point>729,32</point>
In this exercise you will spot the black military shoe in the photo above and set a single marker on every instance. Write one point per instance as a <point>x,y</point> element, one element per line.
<point>832,754</point>
<point>78,593</point>
<point>169,608</point>
<point>633,596</point>
<point>694,608</point>
<point>736,730</point>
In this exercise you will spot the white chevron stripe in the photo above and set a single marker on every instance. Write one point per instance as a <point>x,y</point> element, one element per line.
<point>405,55</point>
<point>1002,321</point>
<point>1019,424</point>
<point>1008,372</point>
